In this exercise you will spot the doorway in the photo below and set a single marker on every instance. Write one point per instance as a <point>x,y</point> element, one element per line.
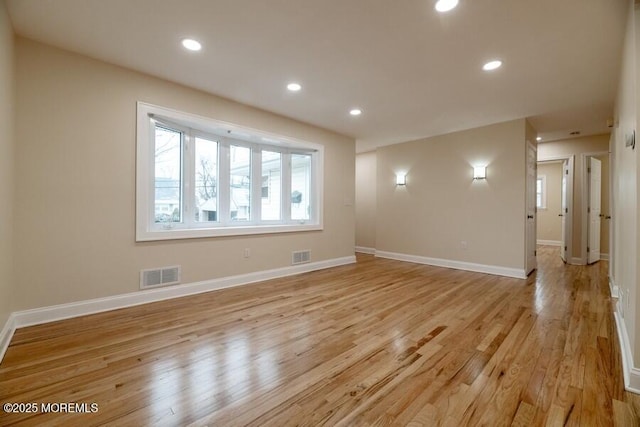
<point>554,203</point>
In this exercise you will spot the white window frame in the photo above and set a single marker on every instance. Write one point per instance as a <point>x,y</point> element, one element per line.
<point>226,134</point>
<point>543,192</point>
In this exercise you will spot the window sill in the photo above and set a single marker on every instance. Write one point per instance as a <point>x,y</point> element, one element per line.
<point>183,233</point>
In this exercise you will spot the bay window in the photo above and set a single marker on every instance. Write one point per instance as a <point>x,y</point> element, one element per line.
<point>198,177</point>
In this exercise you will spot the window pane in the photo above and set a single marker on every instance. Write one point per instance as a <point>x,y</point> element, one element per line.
<point>168,175</point>
<point>240,180</point>
<point>271,188</point>
<point>300,186</point>
<point>539,192</point>
<point>206,180</point>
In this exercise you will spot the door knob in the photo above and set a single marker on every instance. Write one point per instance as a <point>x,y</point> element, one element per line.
<point>530,216</point>
<point>560,215</point>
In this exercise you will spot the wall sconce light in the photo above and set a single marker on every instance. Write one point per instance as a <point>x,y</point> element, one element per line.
<point>401,179</point>
<point>479,172</point>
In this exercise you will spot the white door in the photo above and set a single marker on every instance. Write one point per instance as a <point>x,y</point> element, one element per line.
<point>594,210</point>
<point>564,210</point>
<point>530,240</point>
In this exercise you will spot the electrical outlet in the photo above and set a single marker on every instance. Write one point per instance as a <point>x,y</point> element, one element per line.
<point>626,299</point>
<point>247,252</point>
<point>620,304</point>
<point>464,245</point>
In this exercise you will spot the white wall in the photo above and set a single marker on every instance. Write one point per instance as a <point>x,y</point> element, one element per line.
<point>75,183</point>
<point>6,163</point>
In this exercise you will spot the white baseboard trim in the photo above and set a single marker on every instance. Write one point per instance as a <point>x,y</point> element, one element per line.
<point>549,242</point>
<point>458,265</point>
<point>6,334</point>
<point>53,313</point>
<point>613,288</point>
<point>631,374</point>
<point>580,261</point>
<point>365,250</point>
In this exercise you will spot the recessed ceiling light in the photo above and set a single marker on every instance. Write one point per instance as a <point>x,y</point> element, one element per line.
<point>539,138</point>
<point>446,5</point>
<point>294,87</point>
<point>191,44</point>
<point>492,65</point>
<point>355,112</point>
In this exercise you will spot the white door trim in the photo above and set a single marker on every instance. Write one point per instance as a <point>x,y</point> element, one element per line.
<point>531,212</point>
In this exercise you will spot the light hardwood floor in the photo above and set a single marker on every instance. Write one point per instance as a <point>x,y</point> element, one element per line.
<point>380,342</point>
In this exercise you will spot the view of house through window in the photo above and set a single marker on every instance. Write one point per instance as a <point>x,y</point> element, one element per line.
<point>240,202</point>
<point>271,185</point>
<point>168,175</point>
<point>208,181</point>
<point>300,186</point>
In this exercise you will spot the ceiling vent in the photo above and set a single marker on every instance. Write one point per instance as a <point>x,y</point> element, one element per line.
<point>158,277</point>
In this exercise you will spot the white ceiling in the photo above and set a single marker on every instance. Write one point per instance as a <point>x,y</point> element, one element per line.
<point>413,72</point>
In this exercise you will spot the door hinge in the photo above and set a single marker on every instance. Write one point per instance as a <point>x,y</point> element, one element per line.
<point>588,170</point>
<point>565,248</point>
<point>588,249</point>
<point>566,210</point>
<point>535,253</point>
<point>589,209</point>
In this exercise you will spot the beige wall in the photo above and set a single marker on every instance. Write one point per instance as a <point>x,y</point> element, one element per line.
<point>366,200</point>
<point>441,206</point>
<point>549,223</point>
<point>576,147</point>
<point>6,163</point>
<point>625,186</point>
<point>75,170</point>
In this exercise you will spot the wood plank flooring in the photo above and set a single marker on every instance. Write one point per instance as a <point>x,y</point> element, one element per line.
<point>380,342</point>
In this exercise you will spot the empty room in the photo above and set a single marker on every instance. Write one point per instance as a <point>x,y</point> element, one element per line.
<point>340,213</point>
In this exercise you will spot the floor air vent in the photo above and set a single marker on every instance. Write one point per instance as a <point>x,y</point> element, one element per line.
<point>300,257</point>
<point>157,277</point>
